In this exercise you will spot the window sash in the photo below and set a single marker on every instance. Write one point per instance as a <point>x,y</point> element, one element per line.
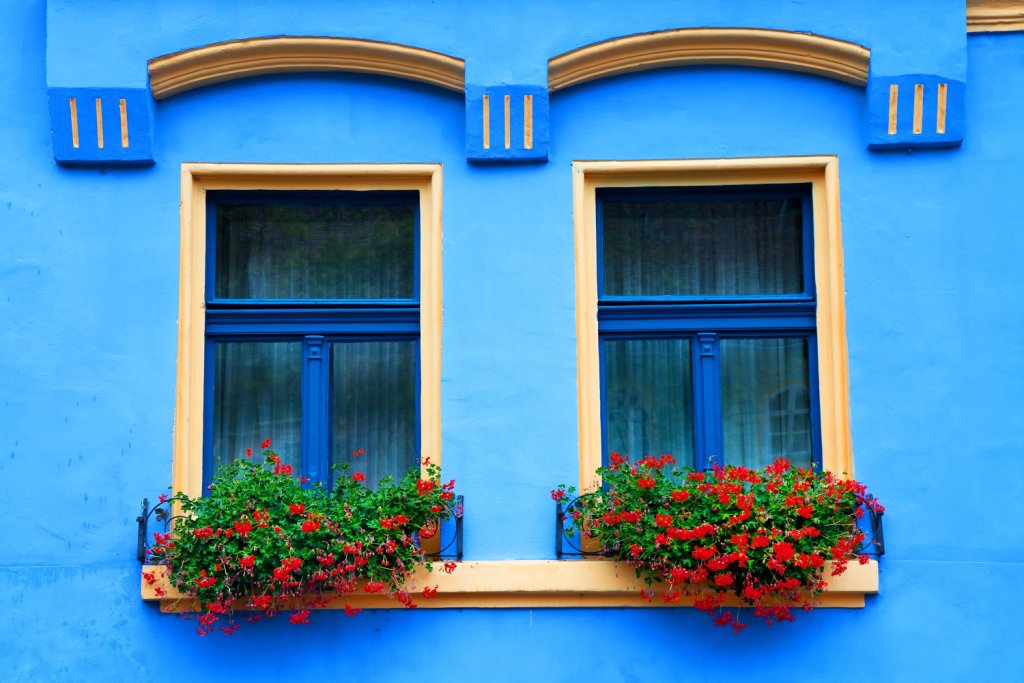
<point>706,374</point>
<point>299,197</point>
<point>793,192</point>
<point>705,320</point>
<point>316,323</point>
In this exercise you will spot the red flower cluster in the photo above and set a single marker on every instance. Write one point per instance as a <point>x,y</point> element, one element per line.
<point>393,522</point>
<point>261,534</point>
<point>764,536</point>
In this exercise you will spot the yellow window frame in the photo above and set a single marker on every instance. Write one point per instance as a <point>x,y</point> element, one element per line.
<point>199,178</point>
<point>822,174</point>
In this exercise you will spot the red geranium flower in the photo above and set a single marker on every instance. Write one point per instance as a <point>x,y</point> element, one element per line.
<point>783,551</point>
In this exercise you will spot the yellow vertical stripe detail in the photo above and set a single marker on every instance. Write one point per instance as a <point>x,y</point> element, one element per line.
<point>123,107</point>
<point>894,98</point>
<point>487,121</point>
<point>918,108</point>
<point>508,122</point>
<point>99,123</point>
<point>528,121</point>
<point>940,109</point>
<point>73,103</point>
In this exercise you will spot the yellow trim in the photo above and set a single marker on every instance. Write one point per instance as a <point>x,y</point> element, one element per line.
<point>940,109</point>
<point>123,109</point>
<point>196,180</point>
<point>918,108</point>
<point>528,121</point>
<point>99,123</point>
<point>73,105</point>
<point>508,121</point>
<point>995,15</point>
<point>540,583</point>
<point>788,50</point>
<point>181,71</point>
<point>822,173</point>
<point>487,121</point>
<point>894,100</point>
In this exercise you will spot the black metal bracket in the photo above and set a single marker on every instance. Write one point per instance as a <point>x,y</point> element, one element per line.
<point>568,533</point>
<point>162,513</point>
<point>874,541</point>
<point>444,552</point>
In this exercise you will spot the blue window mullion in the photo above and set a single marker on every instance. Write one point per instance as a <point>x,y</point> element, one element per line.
<point>315,409</point>
<point>707,401</point>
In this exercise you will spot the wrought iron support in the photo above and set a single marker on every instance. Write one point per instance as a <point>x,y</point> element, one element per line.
<point>162,512</point>
<point>874,544</point>
<point>456,540</point>
<point>569,534</point>
<point>141,521</point>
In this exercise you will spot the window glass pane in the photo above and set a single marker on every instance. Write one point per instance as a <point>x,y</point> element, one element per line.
<point>766,410</point>
<point>665,246</point>
<point>326,250</point>
<point>648,404</point>
<point>257,395</point>
<point>373,407</point>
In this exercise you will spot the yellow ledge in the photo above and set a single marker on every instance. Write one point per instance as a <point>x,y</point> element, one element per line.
<point>989,16</point>
<point>788,50</point>
<point>534,583</point>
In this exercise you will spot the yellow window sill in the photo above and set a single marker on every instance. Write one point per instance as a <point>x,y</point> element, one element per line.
<point>535,583</point>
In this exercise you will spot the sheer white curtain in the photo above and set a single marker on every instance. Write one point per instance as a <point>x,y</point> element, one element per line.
<point>765,405</point>
<point>649,397</point>
<point>257,394</point>
<point>373,407</point>
<point>702,248</point>
<point>315,251</point>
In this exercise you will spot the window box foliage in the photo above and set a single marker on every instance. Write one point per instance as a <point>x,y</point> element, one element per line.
<point>762,537</point>
<point>264,541</point>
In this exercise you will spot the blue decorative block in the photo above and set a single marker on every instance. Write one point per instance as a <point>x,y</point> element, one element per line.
<point>101,125</point>
<point>915,111</point>
<point>507,123</point>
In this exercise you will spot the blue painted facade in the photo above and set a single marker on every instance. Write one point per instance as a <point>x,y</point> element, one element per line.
<point>89,262</point>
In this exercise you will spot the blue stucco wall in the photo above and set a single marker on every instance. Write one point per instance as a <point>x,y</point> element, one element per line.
<point>88,308</point>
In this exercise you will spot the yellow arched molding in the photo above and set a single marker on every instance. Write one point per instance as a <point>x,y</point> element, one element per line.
<point>788,50</point>
<point>196,181</point>
<point>995,15</point>
<point>822,173</point>
<point>195,68</point>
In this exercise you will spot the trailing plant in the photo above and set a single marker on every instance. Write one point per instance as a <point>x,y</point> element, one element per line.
<point>266,541</point>
<point>763,536</point>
